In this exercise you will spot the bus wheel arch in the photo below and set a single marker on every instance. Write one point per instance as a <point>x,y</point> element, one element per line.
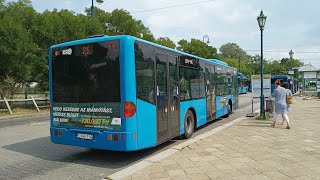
<point>190,123</point>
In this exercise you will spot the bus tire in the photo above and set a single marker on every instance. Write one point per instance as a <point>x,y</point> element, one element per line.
<point>229,111</point>
<point>188,125</point>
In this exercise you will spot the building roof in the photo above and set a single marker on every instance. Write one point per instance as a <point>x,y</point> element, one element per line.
<point>307,68</point>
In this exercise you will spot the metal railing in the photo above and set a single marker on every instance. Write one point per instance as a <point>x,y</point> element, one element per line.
<point>33,100</point>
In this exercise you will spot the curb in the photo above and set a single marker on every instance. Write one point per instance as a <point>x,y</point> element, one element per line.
<point>23,115</point>
<point>169,152</point>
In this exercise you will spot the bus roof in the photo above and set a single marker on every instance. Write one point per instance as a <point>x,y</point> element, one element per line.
<point>280,76</point>
<point>106,37</point>
<point>219,62</point>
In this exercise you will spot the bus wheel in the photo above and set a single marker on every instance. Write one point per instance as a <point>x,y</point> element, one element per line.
<point>188,125</point>
<point>229,111</point>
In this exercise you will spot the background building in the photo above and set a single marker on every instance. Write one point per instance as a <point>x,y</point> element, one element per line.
<point>309,79</point>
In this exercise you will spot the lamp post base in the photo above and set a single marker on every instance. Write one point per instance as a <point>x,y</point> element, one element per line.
<point>251,115</point>
<point>262,109</point>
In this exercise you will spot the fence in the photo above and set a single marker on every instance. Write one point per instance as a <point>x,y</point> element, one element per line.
<point>33,100</point>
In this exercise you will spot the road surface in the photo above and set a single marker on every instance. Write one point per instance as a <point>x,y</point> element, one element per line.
<point>26,151</point>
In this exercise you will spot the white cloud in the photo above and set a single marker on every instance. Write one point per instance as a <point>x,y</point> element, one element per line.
<point>288,26</point>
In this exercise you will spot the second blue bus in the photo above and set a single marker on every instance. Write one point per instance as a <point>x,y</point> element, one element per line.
<point>242,84</point>
<point>283,78</point>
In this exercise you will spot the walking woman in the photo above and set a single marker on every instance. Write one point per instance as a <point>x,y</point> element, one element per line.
<point>280,107</point>
<point>289,93</point>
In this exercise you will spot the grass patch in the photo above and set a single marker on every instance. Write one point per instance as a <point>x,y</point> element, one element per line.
<point>267,117</point>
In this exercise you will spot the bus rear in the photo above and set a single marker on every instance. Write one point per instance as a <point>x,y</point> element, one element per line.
<point>85,95</point>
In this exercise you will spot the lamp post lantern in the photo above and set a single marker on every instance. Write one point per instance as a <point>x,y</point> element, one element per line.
<point>261,21</point>
<point>291,54</point>
<point>206,36</point>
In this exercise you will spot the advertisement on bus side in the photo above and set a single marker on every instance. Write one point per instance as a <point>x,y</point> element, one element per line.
<point>87,115</point>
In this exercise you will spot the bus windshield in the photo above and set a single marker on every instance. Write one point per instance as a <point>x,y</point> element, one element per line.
<point>86,73</point>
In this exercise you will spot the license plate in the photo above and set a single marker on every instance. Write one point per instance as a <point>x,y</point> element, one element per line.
<point>84,136</point>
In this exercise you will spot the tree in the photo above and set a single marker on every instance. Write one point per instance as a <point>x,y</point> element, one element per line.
<point>120,22</point>
<point>18,52</point>
<point>232,50</point>
<point>165,41</point>
<point>198,48</point>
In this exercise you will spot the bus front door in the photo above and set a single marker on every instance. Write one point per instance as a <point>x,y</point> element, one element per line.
<point>167,97</point>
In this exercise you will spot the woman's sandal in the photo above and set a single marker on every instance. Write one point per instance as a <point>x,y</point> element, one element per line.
<point>288,127</point>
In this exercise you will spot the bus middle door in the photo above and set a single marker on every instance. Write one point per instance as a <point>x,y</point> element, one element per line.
<point>167,97</point>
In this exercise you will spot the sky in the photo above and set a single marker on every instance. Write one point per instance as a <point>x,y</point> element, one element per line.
<point>291,24</point>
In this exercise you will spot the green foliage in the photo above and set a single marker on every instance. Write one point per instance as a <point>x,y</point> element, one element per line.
<point>232,50</point>
<point>198,48</point>
<point>120,22</point>
<point>250,65</point>
<point>18,52</point>
<point>27,35</point>
<point>165,41</point>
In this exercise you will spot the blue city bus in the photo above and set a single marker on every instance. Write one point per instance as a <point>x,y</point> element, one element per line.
<point>249,85</point>
<point>122,93</point>
<point>283,78</point>
<point>242,84</point>
<point>246,83</point>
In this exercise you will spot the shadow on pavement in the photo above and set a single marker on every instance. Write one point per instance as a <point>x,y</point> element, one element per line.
<point>44,149</point>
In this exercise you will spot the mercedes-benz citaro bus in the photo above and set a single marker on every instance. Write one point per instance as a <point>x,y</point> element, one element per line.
<point>242,84</point>
<point>283,78</point>
<point>122,93</point>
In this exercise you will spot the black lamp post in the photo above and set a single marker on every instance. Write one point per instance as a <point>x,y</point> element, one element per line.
<point>261,21</point>
<point>291,69</point>
<point>92,7</point>
<point>206,36</point>
<point>239,63</point>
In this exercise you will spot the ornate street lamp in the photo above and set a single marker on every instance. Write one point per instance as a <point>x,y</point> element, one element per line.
<point>92,7</point>
<point>206,36</point>
<point>262,21</point>
<point>291,54</point>
<point>291,71</point>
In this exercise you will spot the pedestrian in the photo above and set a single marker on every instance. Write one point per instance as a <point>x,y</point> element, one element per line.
<point>288,93</point>
<point>300,89</point>
<point>280,107</point>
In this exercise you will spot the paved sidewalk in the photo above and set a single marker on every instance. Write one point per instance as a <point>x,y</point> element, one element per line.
<point>250,149</point>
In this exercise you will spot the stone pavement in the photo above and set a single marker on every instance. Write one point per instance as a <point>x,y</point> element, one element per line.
<point>250,149</point>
